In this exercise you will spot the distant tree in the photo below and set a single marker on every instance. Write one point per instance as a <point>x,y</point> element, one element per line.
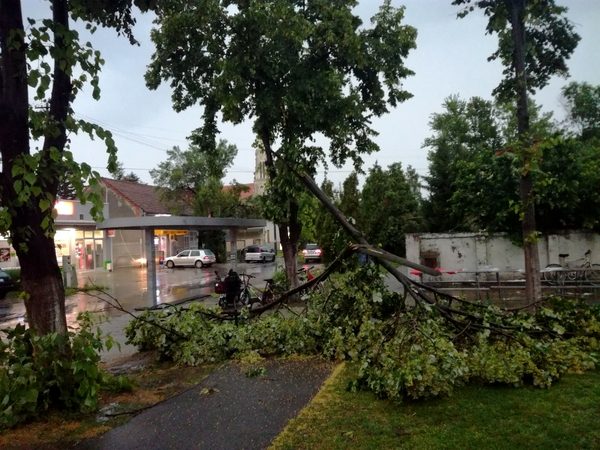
<point>583,108</point>
<point>191,179</point>
<point>330,236</point>
<point>389,209</point>
<point>350,197</point>
<point>414,182</point>
<point>484,191</point>
<point>296,69</point>
<point>463,129</point>
<point>307,215</point>
<point>535,40</point>
<point>567,185</point>
<point>118,173</point>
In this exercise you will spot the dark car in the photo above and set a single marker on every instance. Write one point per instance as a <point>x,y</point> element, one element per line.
<point>312,252</point>
<point>6,283</point>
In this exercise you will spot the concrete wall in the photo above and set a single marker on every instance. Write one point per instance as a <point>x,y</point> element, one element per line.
<point>72,212</point>
<point>471,252</point>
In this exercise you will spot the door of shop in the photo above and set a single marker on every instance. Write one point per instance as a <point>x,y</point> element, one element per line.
<point>89,250</point>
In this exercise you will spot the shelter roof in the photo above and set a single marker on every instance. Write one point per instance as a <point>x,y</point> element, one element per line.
<point>180,222</point>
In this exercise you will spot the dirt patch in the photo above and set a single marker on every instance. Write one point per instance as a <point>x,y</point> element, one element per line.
<point>153,381</point>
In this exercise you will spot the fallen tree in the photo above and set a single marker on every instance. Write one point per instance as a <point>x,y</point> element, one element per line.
<point>416,343</point>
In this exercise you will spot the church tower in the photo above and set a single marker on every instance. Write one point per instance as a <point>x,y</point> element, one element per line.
<point>260,170</point>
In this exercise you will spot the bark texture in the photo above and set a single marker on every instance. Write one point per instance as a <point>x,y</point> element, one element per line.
<point>533,285</point>
<point>40,275</point>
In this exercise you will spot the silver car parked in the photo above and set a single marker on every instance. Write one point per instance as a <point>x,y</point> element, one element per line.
<point>192,258</point>
<point>259,253</point>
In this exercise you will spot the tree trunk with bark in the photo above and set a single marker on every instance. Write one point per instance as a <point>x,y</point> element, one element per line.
<point>34,244</point>
<point>290,234</point>
<point>289,231</point>
<point>533,286</point>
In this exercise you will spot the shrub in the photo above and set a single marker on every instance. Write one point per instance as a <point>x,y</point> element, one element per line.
<point>51,371</point>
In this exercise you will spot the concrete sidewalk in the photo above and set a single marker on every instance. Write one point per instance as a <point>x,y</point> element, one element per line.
<point>228,410</point>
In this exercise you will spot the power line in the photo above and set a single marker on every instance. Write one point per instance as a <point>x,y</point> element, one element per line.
<point>139,139</point>
<point>122,131</point>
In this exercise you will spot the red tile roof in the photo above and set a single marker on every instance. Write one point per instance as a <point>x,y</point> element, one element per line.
<point>244,194</point>
<point>144,196</point>
<point>147,197</point>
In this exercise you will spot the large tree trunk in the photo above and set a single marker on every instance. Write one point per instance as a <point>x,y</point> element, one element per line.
<point>41,280</point>
<point>289,231</point>
<point>533,286</point>
<point>40,274</point>
<point>290,234</point>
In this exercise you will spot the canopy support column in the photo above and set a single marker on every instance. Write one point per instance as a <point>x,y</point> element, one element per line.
<point>150,265</point>
<point>233,232</point>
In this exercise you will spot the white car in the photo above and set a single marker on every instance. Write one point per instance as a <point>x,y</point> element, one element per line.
<point>259,253</point>
<point>192,258</point>
<point>312,252</point>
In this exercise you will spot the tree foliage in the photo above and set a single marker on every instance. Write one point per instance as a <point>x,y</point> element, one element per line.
<point>583,108</point>
<point>36,375</point>
<point>461,131</point>
<point>330,236</point>
<point>471,159</point>
<point>535,39</point>
<point>191,179</point>
<point>296,69</point>
<point>389,208</point>
<point>118,173</point>
<point>350,197</point>
<point>550,38</point>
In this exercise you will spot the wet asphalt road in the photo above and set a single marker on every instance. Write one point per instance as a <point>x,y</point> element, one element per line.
<point>128,286</point>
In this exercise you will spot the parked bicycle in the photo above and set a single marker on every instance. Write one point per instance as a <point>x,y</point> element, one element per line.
<point>578,269</point>
<point>237,291</point>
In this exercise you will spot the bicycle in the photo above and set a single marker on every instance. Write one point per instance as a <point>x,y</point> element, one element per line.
<point>560,272</point>
<point>250,295</point>
<point>236,290</point>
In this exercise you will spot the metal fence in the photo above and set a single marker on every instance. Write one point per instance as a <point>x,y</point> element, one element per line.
<point>507,288</point>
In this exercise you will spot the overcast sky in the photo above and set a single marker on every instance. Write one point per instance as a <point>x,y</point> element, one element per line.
<point>450,58</point>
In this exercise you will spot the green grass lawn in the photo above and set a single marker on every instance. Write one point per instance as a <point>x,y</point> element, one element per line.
<point>476,417</point>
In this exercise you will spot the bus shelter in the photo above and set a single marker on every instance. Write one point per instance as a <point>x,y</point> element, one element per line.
<point>150,224</point>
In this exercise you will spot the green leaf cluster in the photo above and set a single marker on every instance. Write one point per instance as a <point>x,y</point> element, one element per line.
<point>475,162</point>
<point>550,37</point>
<point>401,349</point>
<point>38,373</point>
<point>206,340</point>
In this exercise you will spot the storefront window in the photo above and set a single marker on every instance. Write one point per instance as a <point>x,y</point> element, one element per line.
<point>89,249</point>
